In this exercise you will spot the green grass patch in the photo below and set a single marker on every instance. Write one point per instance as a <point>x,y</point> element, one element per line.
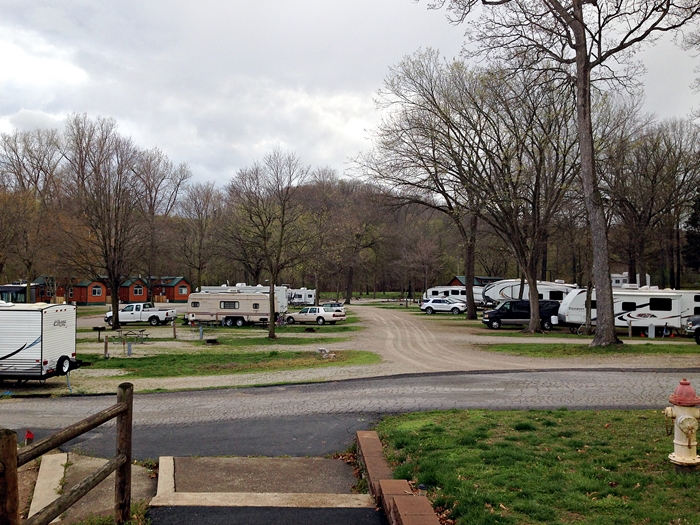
<point>221,363</point>
<point>574,350</point>
<point>543,467</point>
<point>86,311</point>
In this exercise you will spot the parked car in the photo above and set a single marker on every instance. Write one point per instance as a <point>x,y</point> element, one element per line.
<point>693,327</point>
<point>335,305</point>
<point>443,304</point>
<point>317,314</point>
<point>518,312</point>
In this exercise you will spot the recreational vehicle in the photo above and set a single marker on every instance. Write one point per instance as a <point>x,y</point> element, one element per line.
<point>37,340</point>
<point>280,292</point>
<point>228,308</point>
<point>640,307</point>
<point>301,297</point>
<point>456,292</point>
<point>510,289</point>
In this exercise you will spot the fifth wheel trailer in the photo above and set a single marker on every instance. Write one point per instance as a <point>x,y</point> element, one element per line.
<point>37,340</point>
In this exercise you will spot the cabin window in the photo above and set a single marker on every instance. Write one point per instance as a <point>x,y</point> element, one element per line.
<point>194,304</point>
<point>659,304</point>
<point>556,295</point>
<point>229,305</point>
<point>628,306</point>
<point>256,306</point>
<point>138,290</point>
<point>696,298</point>
<point>96,291</point>
<point>182,290</point>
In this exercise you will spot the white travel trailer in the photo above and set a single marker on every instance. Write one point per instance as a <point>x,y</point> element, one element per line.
<point>37,340</point>
<point>280,292</point>
<point>640,307</point>
<point>301,296</point>
<point>509,289</point>
<point>456,292</point>
<point>228,308</point>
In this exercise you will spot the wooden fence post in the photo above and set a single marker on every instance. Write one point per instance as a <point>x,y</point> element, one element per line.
<point>9,491</point>
<point>122,481</point>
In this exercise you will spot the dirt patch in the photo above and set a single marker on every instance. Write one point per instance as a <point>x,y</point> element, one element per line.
<point>27,475</point>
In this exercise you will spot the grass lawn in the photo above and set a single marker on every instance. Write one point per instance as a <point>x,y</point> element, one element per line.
<point>573,350</point>
<point>220,363</point>
<point>543,467</point>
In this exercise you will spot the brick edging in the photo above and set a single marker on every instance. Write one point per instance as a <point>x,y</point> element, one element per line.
<point>400,504</point>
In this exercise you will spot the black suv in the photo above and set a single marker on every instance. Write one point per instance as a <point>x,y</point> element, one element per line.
<point>518,312</point>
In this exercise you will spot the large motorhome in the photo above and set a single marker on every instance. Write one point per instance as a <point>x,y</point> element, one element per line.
<point>280,292</point>
<point>228,308</point>
<point>639,307</point>
<point>37,340</point>
<point>508,289</point>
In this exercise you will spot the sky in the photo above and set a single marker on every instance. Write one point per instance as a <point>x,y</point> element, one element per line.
<point>218,84</point>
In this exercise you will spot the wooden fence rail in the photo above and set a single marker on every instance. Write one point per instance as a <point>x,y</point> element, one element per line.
<point>11,459</point>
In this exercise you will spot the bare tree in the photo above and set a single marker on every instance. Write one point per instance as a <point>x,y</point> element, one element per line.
<point>198,211</point>
<point>105,226</point>
<point>162,183</point>
<point>576,38</point>
<point>267,218</point>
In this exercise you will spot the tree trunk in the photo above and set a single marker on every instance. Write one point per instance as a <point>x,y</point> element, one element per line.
<point>348,290</point>
<point>114,290</point>
<point>469,258</point>
<point>605,322</point>
<point>273,303</point>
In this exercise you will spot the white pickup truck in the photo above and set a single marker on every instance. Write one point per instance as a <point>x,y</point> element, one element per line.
<point>143,313</point>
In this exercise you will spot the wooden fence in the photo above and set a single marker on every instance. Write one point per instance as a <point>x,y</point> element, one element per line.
<point>11,459</point>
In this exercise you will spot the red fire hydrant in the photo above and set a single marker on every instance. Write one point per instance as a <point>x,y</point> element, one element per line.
<point>685,415</point>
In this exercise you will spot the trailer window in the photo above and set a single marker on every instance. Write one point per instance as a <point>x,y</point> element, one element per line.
<point>663,305</point>
<point>697,310</point>
<point>556,295</point>
<point>256,306</point>
<point>627,307</point>
<point>194,304</point>
<point>96,291</point>
<point>696,298</point>
<point>435,292</point>
<point>454,292</point>
<point>229,305</point>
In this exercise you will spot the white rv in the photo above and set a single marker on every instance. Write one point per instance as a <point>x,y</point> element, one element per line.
<point>301,297</point>
<point>641,307</point>
<point>37,340</point>
<point>228,308</point>
<point>280,292</point>
<point>456,292</point>
<point>509,289</point>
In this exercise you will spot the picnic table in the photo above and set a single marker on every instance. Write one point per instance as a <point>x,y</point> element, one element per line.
<point>139,333</point>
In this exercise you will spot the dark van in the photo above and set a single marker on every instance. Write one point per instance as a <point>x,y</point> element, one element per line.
<point>518,312</point>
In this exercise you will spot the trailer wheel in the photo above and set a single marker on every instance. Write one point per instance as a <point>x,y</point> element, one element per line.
<point>63,365</point>
<point>228,321</point>
<point>240,322</point>
<point>154,321</point>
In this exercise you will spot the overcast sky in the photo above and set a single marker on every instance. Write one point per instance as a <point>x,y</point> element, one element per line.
<point>218,84</point>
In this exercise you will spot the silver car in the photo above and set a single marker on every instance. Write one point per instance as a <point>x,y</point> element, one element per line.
<point>443,304</point>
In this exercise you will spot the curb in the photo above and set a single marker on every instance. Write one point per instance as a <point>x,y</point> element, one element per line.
<point>400,504</point>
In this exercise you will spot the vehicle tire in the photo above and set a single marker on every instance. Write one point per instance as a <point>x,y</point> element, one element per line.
<point>240,322</point>
<point>573,330</point>
<point>320,320</point>
<point>154,321</point>
<point>63,365</point>
<point>429,310</point>
<point>495,324</point>
<point>546,325</point>
<point>290,320</point>
<point>455,311</point>
<point>228,321</point>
